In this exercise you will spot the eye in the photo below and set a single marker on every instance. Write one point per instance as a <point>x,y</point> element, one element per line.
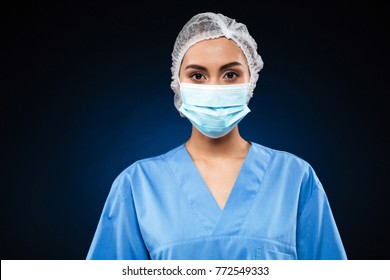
<point>197,76</point>
<point>231,75</point>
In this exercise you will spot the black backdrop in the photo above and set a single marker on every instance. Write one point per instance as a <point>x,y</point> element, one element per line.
<point>86,92</point>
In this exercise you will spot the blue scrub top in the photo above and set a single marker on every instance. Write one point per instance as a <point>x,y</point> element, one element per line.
<point>160,208</point>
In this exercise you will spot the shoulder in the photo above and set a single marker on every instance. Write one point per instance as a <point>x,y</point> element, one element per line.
<point>287,163</point>
<point>141,171</point>
<point>148,164</point>
<point>295,173</point>
<point>280,155</point>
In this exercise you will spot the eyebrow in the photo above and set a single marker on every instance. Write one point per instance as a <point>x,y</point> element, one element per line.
<point>222,68</point>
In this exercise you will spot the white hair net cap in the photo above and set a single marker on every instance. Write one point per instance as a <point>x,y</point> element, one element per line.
<point>209,25</point>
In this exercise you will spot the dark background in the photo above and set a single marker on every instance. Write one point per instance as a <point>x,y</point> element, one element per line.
<point>86,92</point>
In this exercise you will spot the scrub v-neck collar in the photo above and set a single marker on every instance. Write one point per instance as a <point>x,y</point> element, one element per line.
<point>203,202</point>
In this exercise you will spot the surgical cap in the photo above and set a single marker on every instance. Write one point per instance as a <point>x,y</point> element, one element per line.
<point>209,25</point>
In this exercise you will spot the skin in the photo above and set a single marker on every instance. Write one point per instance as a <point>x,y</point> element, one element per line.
<point>216,62</point>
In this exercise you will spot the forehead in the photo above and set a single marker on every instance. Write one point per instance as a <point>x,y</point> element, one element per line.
<point>220,50</point>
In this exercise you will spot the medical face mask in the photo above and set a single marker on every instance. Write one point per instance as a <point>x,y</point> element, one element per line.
<point>214,109</point>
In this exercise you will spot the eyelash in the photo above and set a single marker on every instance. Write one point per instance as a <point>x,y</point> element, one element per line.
<point>193,75</point>
<point>231,72</point>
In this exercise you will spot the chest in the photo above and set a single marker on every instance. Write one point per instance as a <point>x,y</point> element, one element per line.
<point>175,203</point>
<point>220,177</point>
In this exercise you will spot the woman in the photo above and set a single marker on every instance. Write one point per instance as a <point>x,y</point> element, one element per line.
<point>217,196</point>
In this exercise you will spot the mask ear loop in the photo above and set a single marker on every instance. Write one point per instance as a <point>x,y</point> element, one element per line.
<point>178,82</point>
<point>179,96</point>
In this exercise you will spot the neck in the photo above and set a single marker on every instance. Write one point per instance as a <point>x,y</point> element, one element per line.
<point>230,145</point>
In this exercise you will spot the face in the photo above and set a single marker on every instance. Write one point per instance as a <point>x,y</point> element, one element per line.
<point>214,62</point>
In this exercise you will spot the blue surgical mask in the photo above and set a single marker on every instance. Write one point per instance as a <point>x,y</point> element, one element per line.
<point>214,109</point>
